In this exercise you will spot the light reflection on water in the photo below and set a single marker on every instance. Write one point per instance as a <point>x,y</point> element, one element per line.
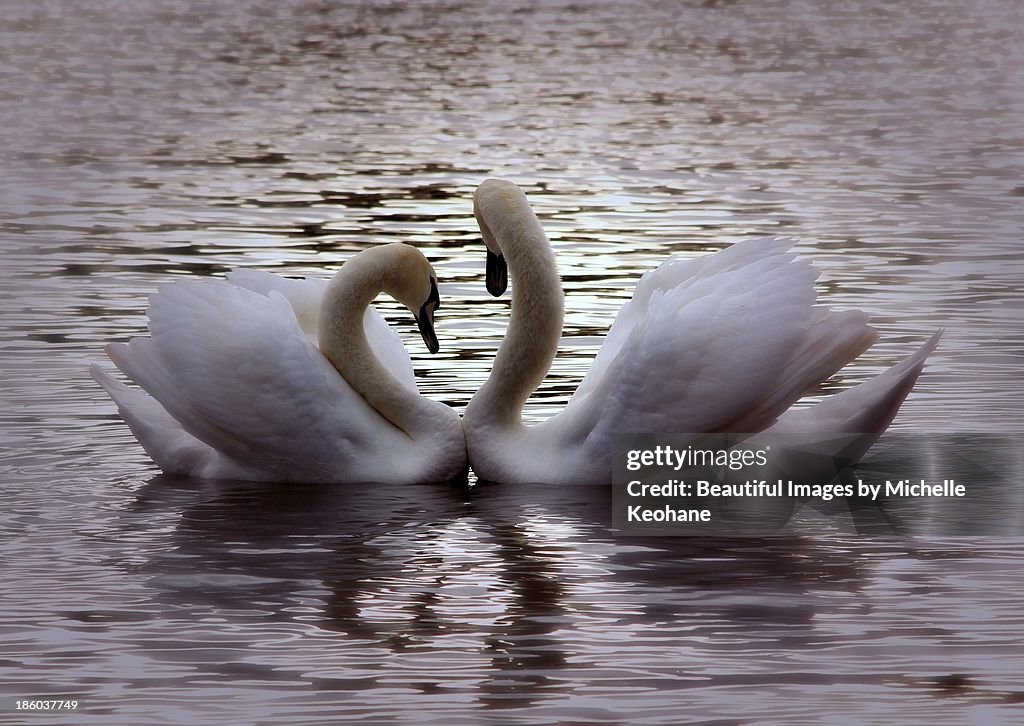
<point>288,136</point>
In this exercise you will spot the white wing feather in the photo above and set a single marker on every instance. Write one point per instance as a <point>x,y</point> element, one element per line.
<point>721,342</point>
<point>238,373</point>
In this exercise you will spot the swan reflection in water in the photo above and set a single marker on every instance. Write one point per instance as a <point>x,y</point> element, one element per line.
<point>503,588</point>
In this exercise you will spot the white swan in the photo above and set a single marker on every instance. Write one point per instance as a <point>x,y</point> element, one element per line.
<point>238,388</point>
<point>721,343</point>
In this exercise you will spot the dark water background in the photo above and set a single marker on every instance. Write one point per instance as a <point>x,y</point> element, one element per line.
<point>145,141</point>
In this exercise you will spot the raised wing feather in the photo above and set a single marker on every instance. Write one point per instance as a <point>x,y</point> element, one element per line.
<point>236,370</point>
<point>303,294</point>
<point>723,342</point>
<point>673,274</point>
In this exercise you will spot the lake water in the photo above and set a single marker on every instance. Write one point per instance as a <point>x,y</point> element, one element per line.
<point>144,142</point>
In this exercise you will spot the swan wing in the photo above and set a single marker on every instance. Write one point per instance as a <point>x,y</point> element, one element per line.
<point>304,296</point>
<point>710,343</point>
<point>234,368</point>
<point>674,274</point>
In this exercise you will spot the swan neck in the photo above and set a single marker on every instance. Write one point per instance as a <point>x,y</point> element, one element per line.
<point>535,325</point>
<point>342,339</point>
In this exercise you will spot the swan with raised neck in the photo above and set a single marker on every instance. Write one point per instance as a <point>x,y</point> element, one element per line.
<point>665,366</point>
<point>501,447</point>
<point>515,239</point>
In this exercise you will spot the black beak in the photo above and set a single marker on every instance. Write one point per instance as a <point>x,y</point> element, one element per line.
<point>497,274</point>
<point>425,319</point>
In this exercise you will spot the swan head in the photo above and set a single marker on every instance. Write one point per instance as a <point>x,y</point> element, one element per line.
<point>411,280</point>
<point>494,201</point>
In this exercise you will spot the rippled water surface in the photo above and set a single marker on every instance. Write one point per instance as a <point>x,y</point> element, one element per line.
<point>143,142</point>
